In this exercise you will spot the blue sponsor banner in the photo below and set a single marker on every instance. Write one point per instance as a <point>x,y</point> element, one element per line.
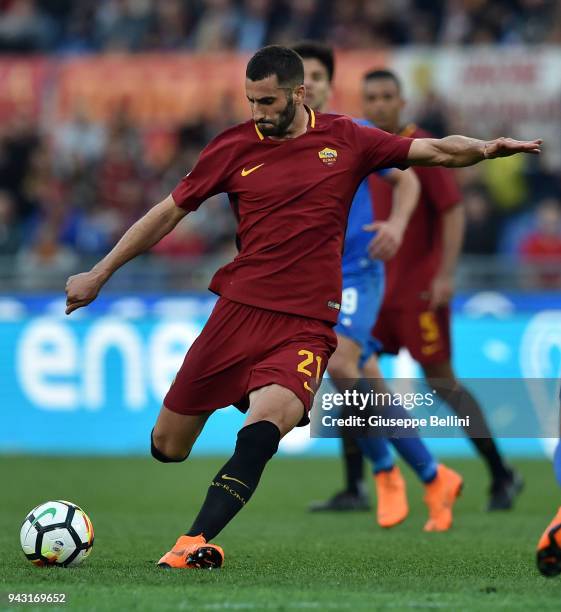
<point>93,383</point>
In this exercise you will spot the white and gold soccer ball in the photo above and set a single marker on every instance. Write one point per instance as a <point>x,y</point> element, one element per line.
<point>57,533</point>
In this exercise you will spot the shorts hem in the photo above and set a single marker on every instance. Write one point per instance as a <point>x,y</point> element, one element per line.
<point>188,412</point>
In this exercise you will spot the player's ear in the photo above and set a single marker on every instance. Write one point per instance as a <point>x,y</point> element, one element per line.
<point>299,94</point>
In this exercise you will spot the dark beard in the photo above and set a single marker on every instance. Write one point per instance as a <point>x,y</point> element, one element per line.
<point>286,117</point>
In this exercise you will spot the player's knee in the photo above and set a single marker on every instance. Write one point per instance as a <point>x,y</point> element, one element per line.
<point>277,405</point>
<point>340,368</point>
<point>371,368</point>
<point>166,450</point>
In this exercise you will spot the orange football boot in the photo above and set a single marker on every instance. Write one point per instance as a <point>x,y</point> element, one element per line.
<point>392,497</point>
<point>548,555</point>
<point>440,496</point>
<point>193,552</point>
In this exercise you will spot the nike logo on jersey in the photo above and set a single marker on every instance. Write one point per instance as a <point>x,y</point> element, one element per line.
<point>246,172</point>
<point>226,477</point>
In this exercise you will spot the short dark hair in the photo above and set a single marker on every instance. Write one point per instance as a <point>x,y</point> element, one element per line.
<point>276,60</point>
<point>310,49</point>
<point>375,75</point>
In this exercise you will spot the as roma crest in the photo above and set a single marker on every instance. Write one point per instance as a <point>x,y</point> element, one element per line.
<point>328,156</point>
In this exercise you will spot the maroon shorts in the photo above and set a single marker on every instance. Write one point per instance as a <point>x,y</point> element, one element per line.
<point>242,348</point>
<point>424,333</point>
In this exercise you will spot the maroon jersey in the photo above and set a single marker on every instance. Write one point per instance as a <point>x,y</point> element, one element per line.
<point>291,199</point>
<point>409,274</point>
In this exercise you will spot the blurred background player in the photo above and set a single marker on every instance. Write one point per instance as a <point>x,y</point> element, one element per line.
<point>363,288</point>
<point>415,313</point>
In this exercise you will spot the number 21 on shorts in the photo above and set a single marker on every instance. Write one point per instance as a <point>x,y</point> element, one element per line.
<point>310,361</point>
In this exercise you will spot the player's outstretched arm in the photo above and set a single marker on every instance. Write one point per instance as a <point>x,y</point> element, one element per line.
<point>82,289</point>
<point>459,151</point>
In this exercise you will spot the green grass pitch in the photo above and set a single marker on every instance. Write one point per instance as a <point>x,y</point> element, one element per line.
<point>278,556</point>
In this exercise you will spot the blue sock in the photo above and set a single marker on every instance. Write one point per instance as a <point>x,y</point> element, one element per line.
<point>378,451</point>
<point>406,442</point>
<point>417,455</point>
<point>557,462</point>
<point>410,446</point>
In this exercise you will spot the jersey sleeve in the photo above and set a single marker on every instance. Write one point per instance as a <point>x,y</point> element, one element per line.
<point>440,187</point>
<point>379,149</point>
<point>206,179</point>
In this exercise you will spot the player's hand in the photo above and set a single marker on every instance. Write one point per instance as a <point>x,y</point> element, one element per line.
<point>441,291</point>
<point>387,240</point>
<point>81,289</point>
<point>504,147</point>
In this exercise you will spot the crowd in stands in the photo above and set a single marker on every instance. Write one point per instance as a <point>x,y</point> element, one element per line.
<point>73,192</point>
<point>85,26</point>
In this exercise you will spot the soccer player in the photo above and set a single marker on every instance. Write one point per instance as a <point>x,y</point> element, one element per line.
<point>420,280</point>
<point>363,289</point>
<point>290,174</point>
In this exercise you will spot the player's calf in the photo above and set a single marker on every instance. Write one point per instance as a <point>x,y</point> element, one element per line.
<point>174,434</point>
<point>236,481</point>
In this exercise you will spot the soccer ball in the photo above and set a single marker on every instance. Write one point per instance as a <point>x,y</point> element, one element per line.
<point>57,533</point>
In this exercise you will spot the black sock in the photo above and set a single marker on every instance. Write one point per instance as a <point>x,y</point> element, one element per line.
<point>354,463</point>
<point>352,454</point>
<point>464,404</point>
<point>237,479</point>
<point>487,448</point>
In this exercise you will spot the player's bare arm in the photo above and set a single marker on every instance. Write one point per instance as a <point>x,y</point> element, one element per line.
<point>460,151</point>
<point>442,287</point>
<point>389,234</point>
<point>81,289</point>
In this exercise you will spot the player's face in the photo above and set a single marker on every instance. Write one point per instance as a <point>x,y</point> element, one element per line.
<point>316,81</point>
<point>273,107</point>
<point>382,103</point>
